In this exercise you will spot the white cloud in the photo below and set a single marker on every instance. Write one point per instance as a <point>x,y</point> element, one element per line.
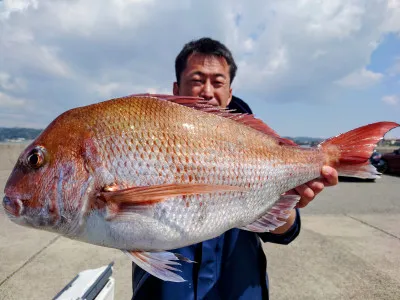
<point>324,41</point>
<point>7,101</point>
<point>105,90</point>
<point>391,100</point>
<point>7,83</point>
<point>392,22</point>
<point>61,54</point>
<point>10,6</point>
<point>249,44</point>
<point>392,4</point>
<point>277,62</point>
<point>395,68</point>
<point>362,78</point>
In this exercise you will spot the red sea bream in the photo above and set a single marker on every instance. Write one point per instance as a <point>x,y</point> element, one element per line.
<point>150,173</point>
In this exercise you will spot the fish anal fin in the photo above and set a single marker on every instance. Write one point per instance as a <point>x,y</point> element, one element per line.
<point>275,216</point>
<point>159,264</point>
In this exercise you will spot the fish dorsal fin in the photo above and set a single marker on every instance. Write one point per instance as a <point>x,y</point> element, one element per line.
<point>202,105</point>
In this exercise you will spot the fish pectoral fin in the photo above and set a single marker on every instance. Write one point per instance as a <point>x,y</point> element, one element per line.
<point>121,204</point>
<point>276,216</point>
<point>159,264</point>
<point>148,195</point>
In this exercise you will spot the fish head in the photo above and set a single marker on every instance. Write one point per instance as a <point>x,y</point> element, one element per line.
<point>47,187</point>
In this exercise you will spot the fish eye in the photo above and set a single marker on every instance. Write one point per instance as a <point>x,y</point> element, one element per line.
<point>35,158</point>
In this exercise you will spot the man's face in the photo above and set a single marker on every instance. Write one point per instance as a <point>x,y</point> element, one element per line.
<point>207,77</point>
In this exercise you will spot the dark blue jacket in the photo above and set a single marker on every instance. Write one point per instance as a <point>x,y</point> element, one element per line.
<point>231,266</point>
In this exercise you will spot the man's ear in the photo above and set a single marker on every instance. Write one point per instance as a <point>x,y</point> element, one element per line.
<point>175,89</point>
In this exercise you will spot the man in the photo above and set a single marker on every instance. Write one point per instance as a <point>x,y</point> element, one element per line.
<point>233,265</point>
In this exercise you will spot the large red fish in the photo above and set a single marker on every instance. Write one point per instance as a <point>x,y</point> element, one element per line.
<point>146,174</point>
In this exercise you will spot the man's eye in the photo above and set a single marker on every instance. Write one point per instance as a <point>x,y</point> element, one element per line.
<point>219,83</point>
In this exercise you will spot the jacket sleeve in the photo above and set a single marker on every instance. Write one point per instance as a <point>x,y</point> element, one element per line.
<point>285,238</point>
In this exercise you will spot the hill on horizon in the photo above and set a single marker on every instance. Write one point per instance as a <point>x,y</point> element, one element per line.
<point>18,133</point>
<point>21,133</point>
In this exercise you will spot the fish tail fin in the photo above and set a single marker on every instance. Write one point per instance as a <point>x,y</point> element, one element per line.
<point>349,152</point>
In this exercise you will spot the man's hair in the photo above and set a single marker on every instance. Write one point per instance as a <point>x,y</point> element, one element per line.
<point>206,46</point>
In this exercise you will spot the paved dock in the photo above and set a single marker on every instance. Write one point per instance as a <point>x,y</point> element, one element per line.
<point>349,248</point>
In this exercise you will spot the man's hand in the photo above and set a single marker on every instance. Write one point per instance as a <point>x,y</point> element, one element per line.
<point>308,192</point>
<point>312,188</point>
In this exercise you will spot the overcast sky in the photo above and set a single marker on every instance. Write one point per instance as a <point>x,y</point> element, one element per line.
<point>306,67</point>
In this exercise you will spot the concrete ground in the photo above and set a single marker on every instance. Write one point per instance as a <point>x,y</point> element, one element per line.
<point>349,248</point>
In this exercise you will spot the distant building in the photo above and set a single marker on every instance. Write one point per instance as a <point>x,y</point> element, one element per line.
<point>389,142</point>
<point>17,140</point>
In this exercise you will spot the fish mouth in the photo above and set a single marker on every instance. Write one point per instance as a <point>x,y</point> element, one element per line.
<point>13,206</point>
<point>24,215</point>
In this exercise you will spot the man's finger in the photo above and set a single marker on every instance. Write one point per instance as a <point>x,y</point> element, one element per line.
<point>317,185</point>
<point>330,176</point>
<point>306,193</point>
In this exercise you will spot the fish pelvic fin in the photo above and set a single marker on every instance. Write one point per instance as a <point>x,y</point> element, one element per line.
<point>159,264</point>
<point>349,152</point>
<point>276,216</point>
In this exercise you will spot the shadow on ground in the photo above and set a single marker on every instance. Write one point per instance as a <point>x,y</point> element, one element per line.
<point>393,174</point>
<point>353,179</point>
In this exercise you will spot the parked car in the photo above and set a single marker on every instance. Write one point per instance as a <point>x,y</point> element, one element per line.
<point>377,162</point>
<point>391,162</point>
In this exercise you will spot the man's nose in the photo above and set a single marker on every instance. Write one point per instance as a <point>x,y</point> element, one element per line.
<point>208,91</point>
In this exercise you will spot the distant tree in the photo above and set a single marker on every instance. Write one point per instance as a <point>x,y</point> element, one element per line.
<point>16,132</point>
